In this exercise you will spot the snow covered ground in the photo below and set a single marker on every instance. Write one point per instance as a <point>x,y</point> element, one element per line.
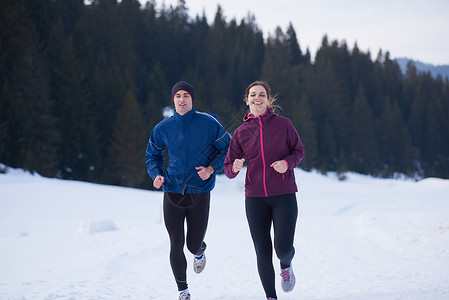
<point>363,239</point>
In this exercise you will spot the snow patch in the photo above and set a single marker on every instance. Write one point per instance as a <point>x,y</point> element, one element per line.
<point>97,226</point>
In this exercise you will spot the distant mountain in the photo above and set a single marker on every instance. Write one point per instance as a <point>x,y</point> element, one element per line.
<point>442,70</point>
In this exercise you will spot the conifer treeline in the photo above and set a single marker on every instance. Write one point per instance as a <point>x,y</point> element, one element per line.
<point>82,85</point>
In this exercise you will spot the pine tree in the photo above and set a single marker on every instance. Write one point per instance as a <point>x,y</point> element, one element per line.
<point>331,89</point>
<point>30,136</point>
<point>363,142</point>
<point>435,147</point>
<point>277,66</point>
<point>417,112</point>
<point>342,165</point>
<point>293,45</point>
<point>395,146</point>
<point>306,125</point>
<point>158,98</point>
<point>15,28</point>
<point>327,146</point>
<point>6,119</point>
<point>43,136</point>
<point>362,74</point>
<point>126,157</point>
<point>216,70</point>
<point>284,77</point>
<point>408,92</point>
<point>79,148</point>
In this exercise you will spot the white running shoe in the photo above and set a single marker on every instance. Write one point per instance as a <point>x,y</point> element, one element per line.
<point>184,295</point>
<point>288,279</point>
<point>199,262</point>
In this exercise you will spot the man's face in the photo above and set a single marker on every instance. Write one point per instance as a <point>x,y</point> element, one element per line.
<point>183,102</point>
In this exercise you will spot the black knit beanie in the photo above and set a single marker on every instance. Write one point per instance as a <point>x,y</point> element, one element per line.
<point>182,85</point>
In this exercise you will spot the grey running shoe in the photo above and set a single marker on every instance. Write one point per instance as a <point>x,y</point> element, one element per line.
<point>199,262</point>
<point>185,295</point>
<point>288,279</point>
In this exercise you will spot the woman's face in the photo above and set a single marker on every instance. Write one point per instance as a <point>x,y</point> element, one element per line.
<point>257,100</point>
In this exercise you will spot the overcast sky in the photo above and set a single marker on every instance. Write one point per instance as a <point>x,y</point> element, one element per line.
<point>417,29</point>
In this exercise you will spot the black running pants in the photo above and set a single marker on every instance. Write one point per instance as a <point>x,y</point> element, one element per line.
<point>194,209</point>
<point>282,212</point>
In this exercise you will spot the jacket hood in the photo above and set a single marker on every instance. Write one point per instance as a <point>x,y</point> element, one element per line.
<point>267,114</point>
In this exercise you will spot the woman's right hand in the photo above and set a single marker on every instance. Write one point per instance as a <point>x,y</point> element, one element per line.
<point>158,181</point>
<point>238,165</point>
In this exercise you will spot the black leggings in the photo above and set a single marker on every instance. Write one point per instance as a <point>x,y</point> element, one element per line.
<point>261,212</point>
<point>197,216</point>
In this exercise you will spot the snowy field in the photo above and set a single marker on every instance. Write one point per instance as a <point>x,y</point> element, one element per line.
<point>361,239</point>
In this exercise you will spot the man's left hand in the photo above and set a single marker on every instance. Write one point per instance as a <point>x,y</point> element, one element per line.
<point>204,172</point>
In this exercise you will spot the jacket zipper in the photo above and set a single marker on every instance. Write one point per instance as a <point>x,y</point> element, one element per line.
<point>263,158</point>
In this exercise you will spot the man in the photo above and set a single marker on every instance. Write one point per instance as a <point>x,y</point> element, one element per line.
<point>197,145</point>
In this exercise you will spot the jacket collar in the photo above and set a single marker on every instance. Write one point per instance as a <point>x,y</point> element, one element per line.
<point>266,115</point>
<point>186,117</point>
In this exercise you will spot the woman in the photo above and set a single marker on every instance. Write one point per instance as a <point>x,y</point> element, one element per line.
<point>271,147</point>
<point>196,143</point>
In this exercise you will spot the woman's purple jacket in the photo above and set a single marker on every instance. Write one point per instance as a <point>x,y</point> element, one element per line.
<point>261,141</point>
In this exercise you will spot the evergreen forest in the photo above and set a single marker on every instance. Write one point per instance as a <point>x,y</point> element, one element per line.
<point>82,84</point>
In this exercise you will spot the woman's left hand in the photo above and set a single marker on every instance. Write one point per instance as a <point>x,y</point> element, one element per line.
<point>280,166</point>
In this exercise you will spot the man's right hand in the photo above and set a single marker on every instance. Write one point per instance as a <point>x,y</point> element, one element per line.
<point>158,181</point>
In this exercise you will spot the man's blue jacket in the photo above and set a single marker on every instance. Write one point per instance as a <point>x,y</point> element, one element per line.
<point>192,140</point>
